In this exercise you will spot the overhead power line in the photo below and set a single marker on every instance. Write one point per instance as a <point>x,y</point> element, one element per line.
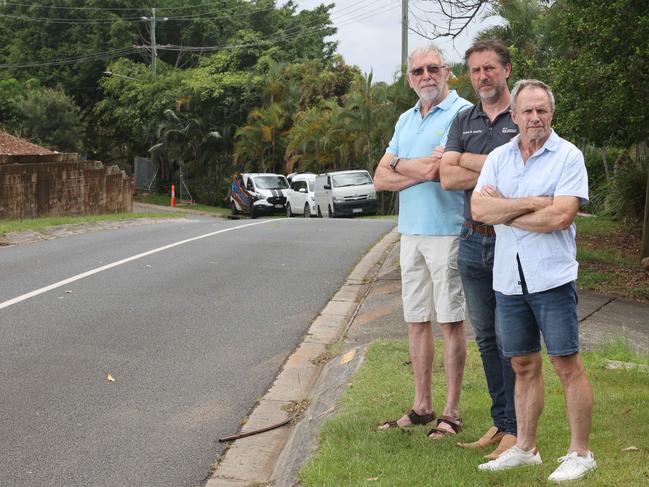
<point>214,13</point>
<point>106,9</point>
<point>75,59</point>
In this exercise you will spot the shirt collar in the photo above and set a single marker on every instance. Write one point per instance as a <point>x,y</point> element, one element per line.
<point>479,112</point>
<point>446,103</point>
<point>552,144</point>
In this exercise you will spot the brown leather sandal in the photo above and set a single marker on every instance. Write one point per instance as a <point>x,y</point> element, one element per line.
<point>456,425</point>
<point>415,420</point>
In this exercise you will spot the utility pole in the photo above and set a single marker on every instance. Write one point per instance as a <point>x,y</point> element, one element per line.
<point>154,51</point>
<point>404,35</point>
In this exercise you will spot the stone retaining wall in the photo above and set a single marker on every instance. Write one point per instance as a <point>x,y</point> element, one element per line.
<point>61,185</point>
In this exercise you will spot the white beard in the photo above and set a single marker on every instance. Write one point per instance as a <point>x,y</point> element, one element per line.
<point>432,92</point>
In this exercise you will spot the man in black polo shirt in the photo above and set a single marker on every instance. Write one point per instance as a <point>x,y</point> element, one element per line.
<point>474,133</point>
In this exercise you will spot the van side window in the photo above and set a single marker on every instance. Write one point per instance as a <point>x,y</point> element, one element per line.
<point>249,186</point>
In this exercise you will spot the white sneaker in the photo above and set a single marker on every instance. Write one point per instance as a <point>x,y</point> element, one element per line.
<point>512,458</point>
<point>573,467</point>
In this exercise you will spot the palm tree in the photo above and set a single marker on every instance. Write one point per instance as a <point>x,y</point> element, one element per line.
<point>262,140</point>
<point>185,138</point>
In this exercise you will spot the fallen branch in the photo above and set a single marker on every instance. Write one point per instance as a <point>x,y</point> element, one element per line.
<point>255,432</point>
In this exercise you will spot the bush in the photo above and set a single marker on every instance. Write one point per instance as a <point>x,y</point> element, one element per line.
<point>52,119</point>
<point>628,189</point>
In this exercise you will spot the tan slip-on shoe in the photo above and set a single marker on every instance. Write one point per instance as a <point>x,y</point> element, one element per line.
<point>506,443</point>
<point>491,437</point>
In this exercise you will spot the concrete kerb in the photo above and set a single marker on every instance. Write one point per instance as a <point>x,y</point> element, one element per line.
<point>251,460</point>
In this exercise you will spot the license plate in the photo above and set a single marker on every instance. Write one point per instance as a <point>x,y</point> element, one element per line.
<point>357,210</point>
<point>279,206</point>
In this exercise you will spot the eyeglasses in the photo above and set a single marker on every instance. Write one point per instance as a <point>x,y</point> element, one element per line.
<point>431,69</point>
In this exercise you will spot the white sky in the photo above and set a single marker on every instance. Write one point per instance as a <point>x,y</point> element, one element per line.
<point>369,33</point>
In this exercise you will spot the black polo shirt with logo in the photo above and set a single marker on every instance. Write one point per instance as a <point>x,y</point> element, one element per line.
<point>472,131</point>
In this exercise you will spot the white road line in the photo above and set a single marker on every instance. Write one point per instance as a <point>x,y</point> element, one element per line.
<point>97,270</point>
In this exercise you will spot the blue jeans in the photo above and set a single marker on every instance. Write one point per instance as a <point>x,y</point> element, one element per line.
<point>475,263</point>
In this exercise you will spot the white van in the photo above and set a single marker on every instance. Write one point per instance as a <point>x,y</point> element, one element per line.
<point>345,193</point>
<point>256,193</point>
<point>300,199</point>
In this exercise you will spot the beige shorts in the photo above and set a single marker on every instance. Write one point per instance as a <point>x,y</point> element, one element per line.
<point>430,280</point>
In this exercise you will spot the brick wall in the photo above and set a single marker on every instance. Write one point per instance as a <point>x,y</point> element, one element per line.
<point>61,185</point>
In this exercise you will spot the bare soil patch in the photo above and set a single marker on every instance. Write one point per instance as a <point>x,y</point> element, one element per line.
<point>15,146</point>
<point>629,281</point>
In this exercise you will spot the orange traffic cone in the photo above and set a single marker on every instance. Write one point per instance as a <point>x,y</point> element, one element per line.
<point>173,195</point>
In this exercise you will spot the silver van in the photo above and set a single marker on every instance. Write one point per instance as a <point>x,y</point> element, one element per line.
<point>345,193</point>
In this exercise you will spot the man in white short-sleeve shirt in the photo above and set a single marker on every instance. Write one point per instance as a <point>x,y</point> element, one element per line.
<point>531,189</point>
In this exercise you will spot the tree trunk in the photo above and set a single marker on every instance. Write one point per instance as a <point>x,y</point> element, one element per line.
<point>605,162</point>
<point>644,251</point>
<point>645,225</point>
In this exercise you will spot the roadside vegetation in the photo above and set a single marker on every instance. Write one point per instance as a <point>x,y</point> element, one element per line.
<point>40,224</point>
<point>351,453</point>
<point>165,200</point>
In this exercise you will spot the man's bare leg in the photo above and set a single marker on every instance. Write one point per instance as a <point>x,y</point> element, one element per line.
<point>421,346</point>
<point>529,398</point>
<point>579,400</point>
<point>454,360</point>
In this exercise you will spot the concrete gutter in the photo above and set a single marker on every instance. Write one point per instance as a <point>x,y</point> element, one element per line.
<point>252,460</point>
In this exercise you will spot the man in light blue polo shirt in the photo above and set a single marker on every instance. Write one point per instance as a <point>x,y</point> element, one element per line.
<point>531,189</point>
<point>430,221</point>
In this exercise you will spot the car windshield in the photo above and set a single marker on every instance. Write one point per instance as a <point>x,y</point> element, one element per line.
<point>271,182</point>
<point>351,179</point>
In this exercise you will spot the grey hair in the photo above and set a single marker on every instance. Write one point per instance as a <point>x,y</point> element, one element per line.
<point>534,83</point>
<point>430,48</point>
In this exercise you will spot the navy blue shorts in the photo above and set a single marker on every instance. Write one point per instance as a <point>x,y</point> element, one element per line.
<point>523,318</point>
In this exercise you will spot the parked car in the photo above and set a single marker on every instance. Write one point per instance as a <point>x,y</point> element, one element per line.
<point>301,196</point>
<point>345,193</point>
<point>256,193</point>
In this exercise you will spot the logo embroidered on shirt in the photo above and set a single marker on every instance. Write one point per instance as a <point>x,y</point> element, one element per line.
<point>507,130</point>
<point>469,132</point>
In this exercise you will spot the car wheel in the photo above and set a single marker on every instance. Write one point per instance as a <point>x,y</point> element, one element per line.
<point>289,213</point>
<point>319,213</point>
<point>233,207</point>
<point>330,213</point>
<point>307,211</point>
<point>253,213</point>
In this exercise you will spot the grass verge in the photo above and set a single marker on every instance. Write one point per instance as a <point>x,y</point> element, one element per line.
<point>352,454</point>
<point>39,224</point>
<point>164,200</point>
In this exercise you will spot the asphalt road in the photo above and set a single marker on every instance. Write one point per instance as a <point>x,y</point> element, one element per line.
<point>192,334</point>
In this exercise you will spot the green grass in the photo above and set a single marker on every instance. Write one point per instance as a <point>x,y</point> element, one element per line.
<point>38,224</point>
<point>352,454</point>
<point>597,225</point>
<point>165,200</point>
<point>606,256</point>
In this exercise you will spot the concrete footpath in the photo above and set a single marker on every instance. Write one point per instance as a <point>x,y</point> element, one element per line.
<point>367,307</point>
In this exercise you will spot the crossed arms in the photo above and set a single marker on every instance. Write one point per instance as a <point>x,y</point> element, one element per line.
<point>460,170</point>
<point>408,172</point>
<point>542,214</point>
